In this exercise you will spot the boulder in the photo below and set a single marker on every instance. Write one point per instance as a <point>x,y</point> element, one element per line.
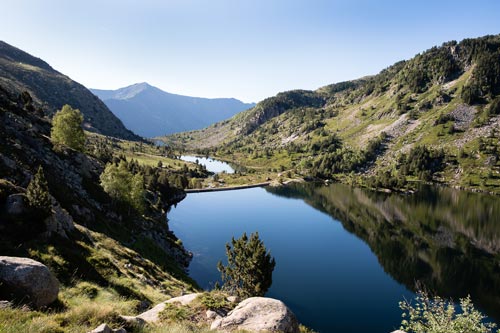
<point>258,314</point>
<point>211,314</point>
<point>16,204</point>
<point>27,281</point>
<point>152,315</point>
<point>59,222</point>
<point>104,328</point>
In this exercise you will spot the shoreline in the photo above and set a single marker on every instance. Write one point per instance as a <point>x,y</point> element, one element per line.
<point>229,188</point>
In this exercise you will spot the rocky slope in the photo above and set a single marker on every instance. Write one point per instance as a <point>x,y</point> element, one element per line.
<point>50,90</point>
<point>84,235</point>
<point>151,112</point>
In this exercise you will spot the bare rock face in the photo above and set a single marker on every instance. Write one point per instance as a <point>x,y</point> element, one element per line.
<point>59,222</point>
<point>258,314</point>
<point>27,281</point>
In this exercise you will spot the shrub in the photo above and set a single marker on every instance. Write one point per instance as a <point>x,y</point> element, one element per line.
<point>215,301</point>
<point>436,315</point>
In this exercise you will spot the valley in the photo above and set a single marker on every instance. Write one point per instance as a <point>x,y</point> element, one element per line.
<point>365,192</point>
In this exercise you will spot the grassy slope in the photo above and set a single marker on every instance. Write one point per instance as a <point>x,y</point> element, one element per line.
<point>357,117</point>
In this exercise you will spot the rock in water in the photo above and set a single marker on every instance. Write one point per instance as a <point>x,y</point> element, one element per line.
<point>27,281</point>
<point>259,314</point>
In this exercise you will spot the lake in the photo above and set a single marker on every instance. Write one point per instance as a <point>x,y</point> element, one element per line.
<point>211,164</point>
<point>346,256</point>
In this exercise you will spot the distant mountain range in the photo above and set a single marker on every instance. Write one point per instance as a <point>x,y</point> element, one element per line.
<point>152,112</point>
<point>50,90</point>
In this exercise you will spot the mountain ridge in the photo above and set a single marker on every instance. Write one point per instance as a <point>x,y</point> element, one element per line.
<point>151,111</point>
<point>441,106</point>
<point>50,90</point>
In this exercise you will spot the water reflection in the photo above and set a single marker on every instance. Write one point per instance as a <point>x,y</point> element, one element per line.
<point>446,239</point>
<point>211,164</point>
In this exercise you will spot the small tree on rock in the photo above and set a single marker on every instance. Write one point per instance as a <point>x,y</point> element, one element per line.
<point>250,267</point>
<point>37,193</point>
<point>67,128</point>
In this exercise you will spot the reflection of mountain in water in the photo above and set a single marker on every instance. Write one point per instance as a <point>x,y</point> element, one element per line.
<point>448,240</point>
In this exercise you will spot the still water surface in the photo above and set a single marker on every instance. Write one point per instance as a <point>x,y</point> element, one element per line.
<point>345,257</point>
<point>211,164</point>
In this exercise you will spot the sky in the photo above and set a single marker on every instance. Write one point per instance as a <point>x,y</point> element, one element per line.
<point>246,49</point>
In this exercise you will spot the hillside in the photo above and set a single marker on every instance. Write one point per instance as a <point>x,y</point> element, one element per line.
<point>50,90</point>
<point>108,257</point>
<point>432,118</point>
<point>152,112</point>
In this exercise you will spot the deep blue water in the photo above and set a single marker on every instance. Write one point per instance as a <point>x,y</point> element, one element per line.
<point>327,276</point>
<point>345,257</point>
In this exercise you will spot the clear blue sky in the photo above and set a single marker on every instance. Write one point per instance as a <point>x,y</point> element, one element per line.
<point>249,49</point>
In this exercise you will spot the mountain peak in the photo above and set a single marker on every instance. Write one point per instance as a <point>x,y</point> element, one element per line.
<point>131,91</point>
<point>151,111</point>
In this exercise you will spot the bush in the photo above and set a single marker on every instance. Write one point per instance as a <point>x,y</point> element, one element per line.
<point>436,315</point>
<point>494,107</point>
<point>215,301</point>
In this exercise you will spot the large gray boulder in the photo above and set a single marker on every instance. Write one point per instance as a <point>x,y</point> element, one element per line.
<point>27,281</point>
<point>258,314</point>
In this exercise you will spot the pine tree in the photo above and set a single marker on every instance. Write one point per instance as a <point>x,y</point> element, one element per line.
<point>250,267</point>
<point>67,128</point>
<point>38,193</point>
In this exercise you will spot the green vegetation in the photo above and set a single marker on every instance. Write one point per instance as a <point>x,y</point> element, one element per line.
<point>123,186</point>
<point>250,267</point>
<point>215,300</point>
<point>435,107</point>
<point>38,195</point>
<point>67,128</point>
<point>436,315</point>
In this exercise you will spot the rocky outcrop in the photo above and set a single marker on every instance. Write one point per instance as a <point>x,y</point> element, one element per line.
<point>152,316</point>
<point>104,328</point>
<point>59,222</point>
<point>258,314</point>
<point>27,281</point>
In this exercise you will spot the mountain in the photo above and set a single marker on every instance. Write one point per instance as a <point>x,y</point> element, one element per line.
<point>151,112</point>
<point>434,117</point>
<point>50,90</point>
<point>104,254</point>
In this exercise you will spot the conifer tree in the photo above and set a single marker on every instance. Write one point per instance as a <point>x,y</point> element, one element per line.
<point>37,193</point>
<point>250,267</point>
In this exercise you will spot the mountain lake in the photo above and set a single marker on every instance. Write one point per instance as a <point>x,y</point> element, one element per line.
<point>346,256</point>
<point>212,165</point>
